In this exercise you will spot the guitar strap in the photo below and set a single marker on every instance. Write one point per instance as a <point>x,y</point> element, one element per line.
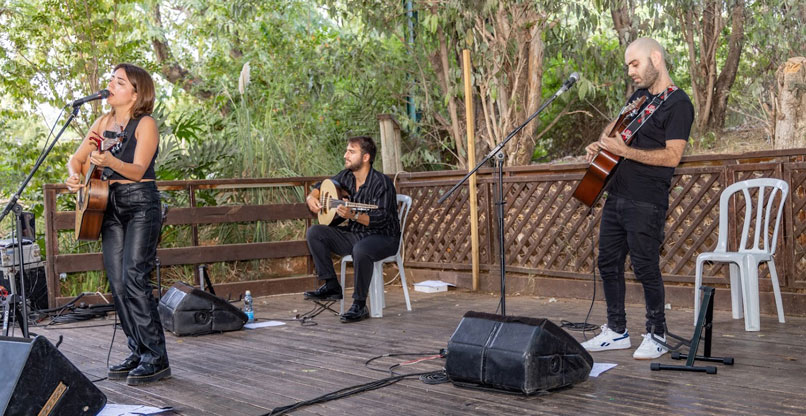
<point>128,134</point>
<point>646,113</point>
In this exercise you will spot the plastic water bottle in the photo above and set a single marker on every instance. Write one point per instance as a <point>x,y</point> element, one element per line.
<point>247,306</point>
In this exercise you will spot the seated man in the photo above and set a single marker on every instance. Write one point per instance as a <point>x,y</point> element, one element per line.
<point>369,236</point>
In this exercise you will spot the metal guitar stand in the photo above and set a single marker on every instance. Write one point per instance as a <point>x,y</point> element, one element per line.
<point>704,321</point>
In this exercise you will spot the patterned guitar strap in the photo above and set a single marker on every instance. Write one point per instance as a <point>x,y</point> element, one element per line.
<point>646,114</point>
<point>118,149</point>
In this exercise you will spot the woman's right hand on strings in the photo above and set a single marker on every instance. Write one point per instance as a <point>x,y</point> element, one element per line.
<point>73,183</point>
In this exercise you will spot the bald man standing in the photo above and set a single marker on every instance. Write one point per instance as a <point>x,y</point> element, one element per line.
<point>634,214</point>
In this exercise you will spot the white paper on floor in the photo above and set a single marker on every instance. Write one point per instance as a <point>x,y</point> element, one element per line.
<point>112,409</point>
<point>255,325</point>
<point>599,368</point>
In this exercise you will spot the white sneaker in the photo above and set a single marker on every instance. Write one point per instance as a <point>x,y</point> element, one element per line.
<point>608,340</point>
<point>649,349</point>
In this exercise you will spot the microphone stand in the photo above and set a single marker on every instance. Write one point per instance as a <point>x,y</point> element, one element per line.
<point>498,152</point>
<point>17,302</point>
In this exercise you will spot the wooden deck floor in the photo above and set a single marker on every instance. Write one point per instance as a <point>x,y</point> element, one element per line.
<point>251,372</point>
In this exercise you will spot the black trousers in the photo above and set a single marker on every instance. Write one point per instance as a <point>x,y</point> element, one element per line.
<point>324,240</point>
<point>130,233</point>
<point>636,228</point>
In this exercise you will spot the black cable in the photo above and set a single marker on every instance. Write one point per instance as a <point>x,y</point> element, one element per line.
<point>585,326</point>
<point>348,391</point>
<point>441,354</point>
<point>429,377</point>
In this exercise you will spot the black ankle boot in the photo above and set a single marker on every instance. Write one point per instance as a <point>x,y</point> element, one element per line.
<point>148,373</point>
<point>121,371</point>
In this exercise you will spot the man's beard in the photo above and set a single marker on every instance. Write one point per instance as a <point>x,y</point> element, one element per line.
<point>352,166</point>
<point>649,77</point>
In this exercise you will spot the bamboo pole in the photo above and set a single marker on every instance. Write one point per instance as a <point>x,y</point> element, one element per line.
<point>471,161</point>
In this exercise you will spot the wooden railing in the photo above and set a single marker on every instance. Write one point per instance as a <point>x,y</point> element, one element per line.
<point>194,215</point>
<point>551,239</point>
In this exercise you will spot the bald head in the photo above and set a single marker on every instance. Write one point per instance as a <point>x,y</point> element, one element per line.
<point>646,64</point>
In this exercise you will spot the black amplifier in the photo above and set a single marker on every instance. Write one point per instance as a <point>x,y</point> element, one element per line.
<point>36,285</point>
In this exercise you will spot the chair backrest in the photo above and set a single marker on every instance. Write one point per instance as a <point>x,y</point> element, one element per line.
<point>758,212</point>
<point>403,208</point>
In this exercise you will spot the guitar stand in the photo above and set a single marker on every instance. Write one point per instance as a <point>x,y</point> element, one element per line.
<point>306,319</point>
<point>704,321</point>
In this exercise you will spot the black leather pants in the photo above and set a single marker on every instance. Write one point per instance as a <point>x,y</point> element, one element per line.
<point>130,233</point>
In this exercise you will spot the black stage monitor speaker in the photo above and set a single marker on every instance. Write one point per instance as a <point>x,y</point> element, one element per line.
<point>186,310</point>
<point>514,353</point>
<point>38,380</point>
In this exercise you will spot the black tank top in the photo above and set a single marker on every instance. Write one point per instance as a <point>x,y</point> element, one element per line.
<point>125,152</point>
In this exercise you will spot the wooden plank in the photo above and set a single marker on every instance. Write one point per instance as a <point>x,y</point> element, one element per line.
<point>65,220</point>
<point>69,263</point>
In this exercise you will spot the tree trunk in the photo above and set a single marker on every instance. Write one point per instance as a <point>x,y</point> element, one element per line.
<point>729,70</point>
<point>622,13</point>
<point>790,117</point>
<point>170,69</point>
<point>521,153</point>
<point>710,86</point>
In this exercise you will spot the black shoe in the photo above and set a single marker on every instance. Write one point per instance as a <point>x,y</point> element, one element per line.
<point>324,293</point>
<point>121,371</point>
<point>355,314</point>
<point>148,373</point>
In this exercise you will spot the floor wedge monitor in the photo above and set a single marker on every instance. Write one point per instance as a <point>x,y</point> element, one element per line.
<point>186,310</point>
<point>36,379</point>
<point>514,353</point>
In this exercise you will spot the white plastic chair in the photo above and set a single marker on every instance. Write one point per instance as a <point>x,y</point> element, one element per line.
<point>376,298</point>
<point>744,263</point>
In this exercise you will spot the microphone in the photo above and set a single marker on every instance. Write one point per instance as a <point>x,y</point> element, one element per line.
<point>572,79</point>
<point>97,96</point>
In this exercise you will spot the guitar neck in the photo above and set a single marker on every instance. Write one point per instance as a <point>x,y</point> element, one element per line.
<point>354,205</point>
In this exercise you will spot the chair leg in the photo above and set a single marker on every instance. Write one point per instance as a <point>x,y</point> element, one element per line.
<point>376,300</point>
<point>343,287</point>
<point>403,281</point>
<point>697,284</point>
<point>776,288</point>
<point>736,291</point>
<point>749,272</point>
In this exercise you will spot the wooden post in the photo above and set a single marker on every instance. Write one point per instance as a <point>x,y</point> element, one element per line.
<point>390,144</point>
<point>471,162</point>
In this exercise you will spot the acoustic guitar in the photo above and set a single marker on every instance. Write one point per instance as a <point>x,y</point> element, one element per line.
<point>602,167</point>
<point>92,198</point>
<point>331,197</point>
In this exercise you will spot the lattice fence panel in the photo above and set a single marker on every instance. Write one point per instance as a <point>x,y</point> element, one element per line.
<point>547,229</point>
<point>692,221</point>
<point>440,233</point>
<point>797,195</point>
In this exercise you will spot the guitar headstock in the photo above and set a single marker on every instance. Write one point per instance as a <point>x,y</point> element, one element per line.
<point>105,143</point>
<point>633,105</point>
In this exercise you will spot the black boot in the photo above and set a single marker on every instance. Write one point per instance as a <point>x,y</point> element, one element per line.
<point>331,290</point>
<point>148,373</point>
<point>121,371</point>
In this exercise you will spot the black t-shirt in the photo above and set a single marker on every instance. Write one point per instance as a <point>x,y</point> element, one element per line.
<point>671,121</point>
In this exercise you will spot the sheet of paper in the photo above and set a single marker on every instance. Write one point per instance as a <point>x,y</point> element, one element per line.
<point>433,283</point>
<point>112,409</point>
<point>599,368</point>
<point>256,325</point>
